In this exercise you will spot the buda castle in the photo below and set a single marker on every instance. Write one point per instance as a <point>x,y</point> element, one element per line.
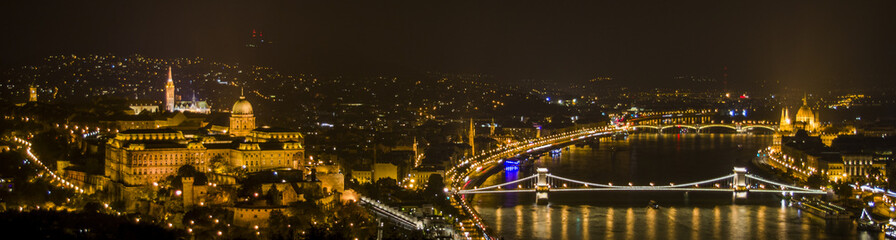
<point>144,156</point>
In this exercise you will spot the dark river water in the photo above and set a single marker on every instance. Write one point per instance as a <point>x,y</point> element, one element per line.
<point>661,159</point>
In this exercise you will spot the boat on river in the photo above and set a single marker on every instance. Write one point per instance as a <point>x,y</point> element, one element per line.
<point>653,204</point>
<point>822,209</point>
<point>865,223</point>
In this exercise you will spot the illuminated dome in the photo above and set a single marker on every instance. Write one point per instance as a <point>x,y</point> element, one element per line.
<point>242,107</point>
<point>805,113</point>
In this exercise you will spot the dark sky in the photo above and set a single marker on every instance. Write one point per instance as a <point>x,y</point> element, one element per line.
<point>800,43</point>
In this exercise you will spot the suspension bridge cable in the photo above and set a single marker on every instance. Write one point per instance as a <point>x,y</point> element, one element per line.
<point>580,182</point>
<point>750,176</point>
<point>501,185</point>
<point>700,182</point>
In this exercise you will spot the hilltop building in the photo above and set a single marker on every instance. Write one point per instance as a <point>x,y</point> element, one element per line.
<point>173,105</point>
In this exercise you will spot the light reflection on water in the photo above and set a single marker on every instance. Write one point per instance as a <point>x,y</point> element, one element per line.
<point>641,159</point>
<point>728,222</point>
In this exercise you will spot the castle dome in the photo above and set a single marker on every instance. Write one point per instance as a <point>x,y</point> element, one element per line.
<point>241,107</point>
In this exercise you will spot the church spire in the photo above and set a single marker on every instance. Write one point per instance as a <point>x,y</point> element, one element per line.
<point>169,92</point>
<point>472,136</point>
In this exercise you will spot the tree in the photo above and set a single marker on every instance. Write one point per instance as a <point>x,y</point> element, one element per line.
<point>50,146</point>
<point>278,226</point>
<point>219,164</point>
<point>199,178</point>
<point>92,207</point>
<point>273,196</point>
<point>186,171</point>
<point>843,190</point>
<point>435,185</point>
<point>306,213</point>
<point>816,180</point>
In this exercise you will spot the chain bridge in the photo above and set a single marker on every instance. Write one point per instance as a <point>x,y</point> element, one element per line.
<point>542,182</point>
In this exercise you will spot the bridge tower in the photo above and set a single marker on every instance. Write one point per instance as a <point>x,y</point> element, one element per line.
<point>739,128</point>
<point>541,186</point>
<point>740,179</point>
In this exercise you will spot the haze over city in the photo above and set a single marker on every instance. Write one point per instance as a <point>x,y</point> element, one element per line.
<point>819,46</point>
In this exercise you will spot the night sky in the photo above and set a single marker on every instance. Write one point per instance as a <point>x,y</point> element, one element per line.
<point>801,44</point>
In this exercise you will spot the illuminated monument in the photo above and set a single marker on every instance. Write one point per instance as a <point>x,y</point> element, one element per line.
<point>173,105</point>
<point>169,93</point>
<point>143,156</point>
<point>805,119</point>
<point>242,119</point>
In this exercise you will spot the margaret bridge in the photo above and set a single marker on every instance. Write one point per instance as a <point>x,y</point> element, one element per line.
<point>739,127</point>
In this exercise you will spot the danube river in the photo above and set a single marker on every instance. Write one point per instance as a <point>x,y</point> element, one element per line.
<point>652,158</point>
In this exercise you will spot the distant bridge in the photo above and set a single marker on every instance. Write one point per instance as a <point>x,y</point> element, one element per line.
<point>739,127</point>
<point>543,182</point>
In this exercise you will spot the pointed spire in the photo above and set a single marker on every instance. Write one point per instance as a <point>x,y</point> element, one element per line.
<point>242,96</point>
<point>804,99</point>
<point>472,137</point>
<point>169,74</point>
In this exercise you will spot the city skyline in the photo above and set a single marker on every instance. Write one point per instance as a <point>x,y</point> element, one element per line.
<point>447,120</point>
<point>817,46</point>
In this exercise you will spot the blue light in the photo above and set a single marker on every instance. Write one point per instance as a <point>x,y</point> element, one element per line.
<point>731,113</point>
<point>744,112</point>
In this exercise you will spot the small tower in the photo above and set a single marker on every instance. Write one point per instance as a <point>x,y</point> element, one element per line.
<point>491,128</point>
<point>33,96</point>
<point>188,191</point>
<point>415,146</point>
<point>785,124</point>
<point>169,93</point>
<point>538,131</point>
<point>472,136</point>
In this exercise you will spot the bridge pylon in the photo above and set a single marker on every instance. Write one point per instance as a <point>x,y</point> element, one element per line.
<point>740,179</point>
<point>541,186</point>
